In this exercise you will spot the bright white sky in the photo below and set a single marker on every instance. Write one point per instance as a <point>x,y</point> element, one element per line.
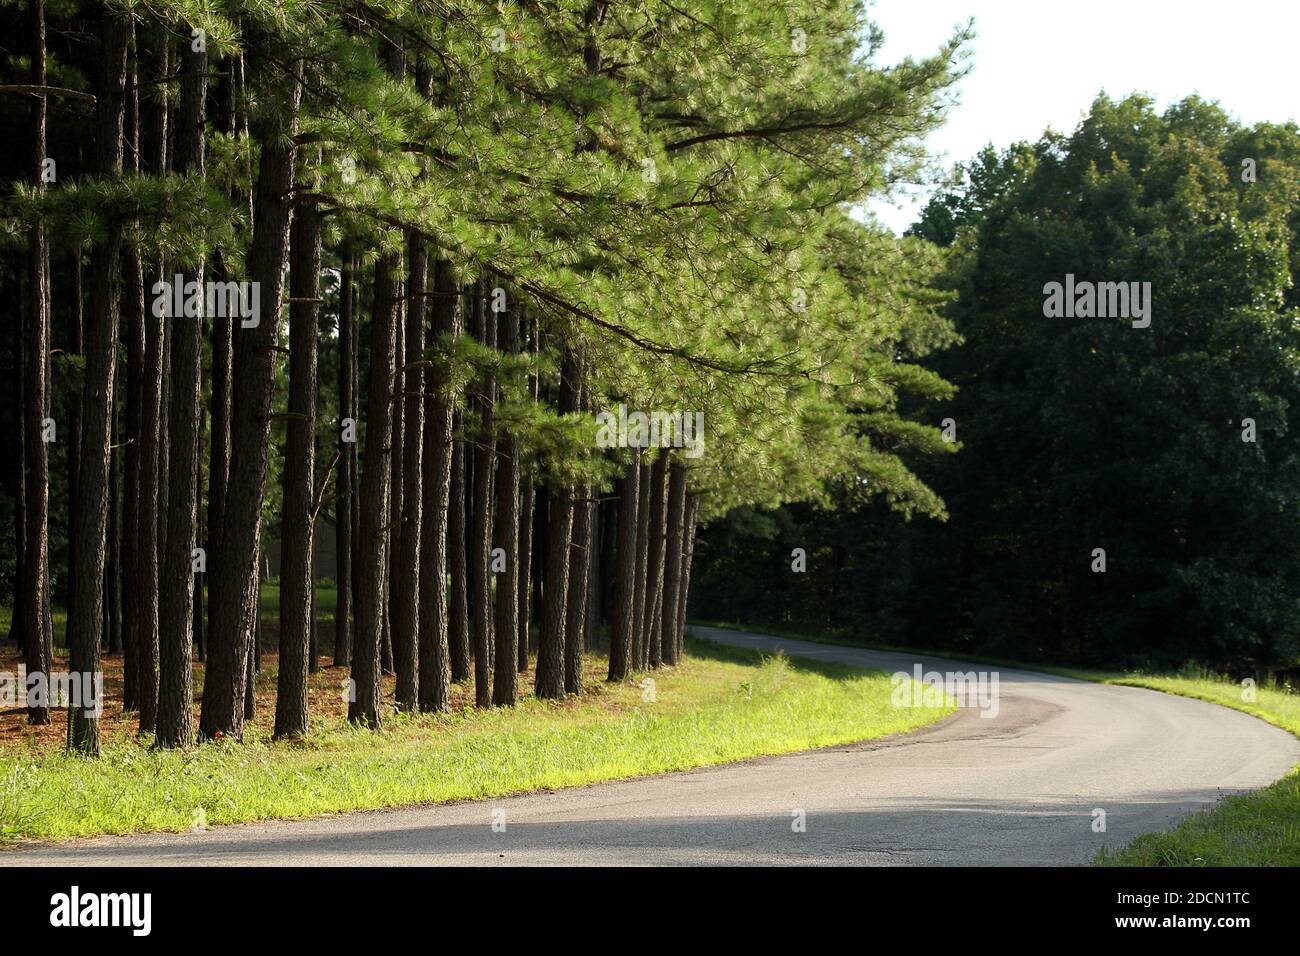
<point>1040,63</point>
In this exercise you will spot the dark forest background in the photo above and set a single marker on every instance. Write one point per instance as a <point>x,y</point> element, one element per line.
<point>1078,434</point>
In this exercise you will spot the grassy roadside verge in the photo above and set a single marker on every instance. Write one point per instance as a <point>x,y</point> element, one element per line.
<point>1254,829</point>
<point>722,704</point>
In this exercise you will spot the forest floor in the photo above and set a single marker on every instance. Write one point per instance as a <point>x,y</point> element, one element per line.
<point>1254,829</point>
<point>719,705</point>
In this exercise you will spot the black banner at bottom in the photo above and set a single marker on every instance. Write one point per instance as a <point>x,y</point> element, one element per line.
<point>142,907</point>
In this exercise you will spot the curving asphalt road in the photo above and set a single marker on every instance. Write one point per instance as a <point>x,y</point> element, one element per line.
<point>1017,788</point>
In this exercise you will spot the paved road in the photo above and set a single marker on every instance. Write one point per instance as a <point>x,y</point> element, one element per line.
<point>1017,788</point>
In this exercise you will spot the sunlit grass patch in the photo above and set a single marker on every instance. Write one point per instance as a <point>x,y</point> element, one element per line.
<point>719,705</point>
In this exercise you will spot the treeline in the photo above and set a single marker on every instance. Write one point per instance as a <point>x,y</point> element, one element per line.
<point>383,266</point>
<point>1123,495</point>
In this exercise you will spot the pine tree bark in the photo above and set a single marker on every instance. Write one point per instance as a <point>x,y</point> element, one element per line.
<point>595,539</point>
<point>75,342</point>
<point>576,604</point>
<point>231,121</point>
<point>147,523</point>
<point>606,557</point>
<point>483,398</point>
<point>550,679</point>
<point>253,638</point>
<point>347,455</point>
<point>296,586</point>
<point>526,520</point>
<point>393,588</point>
<point>523,598</point>
<point>434,640</point>
<point>688,558</point>
<point>457,556</point>
<point>164,438</point>
<point>376,486</point>
<point>85,616</point>
<point>655,558</point>
<point>406,629</point>
<point>134,324</point>
<point>200,578</point>
<point>641,652</point>
<point>35,582</point>
<point>541,524</point>
<point>219,427</point>
<point>234,592</point>
<point>17,622</point>
<point>175,724</point>
<point>628,489</point>
<point>113,571</point>
<point>505,686</point>
<point>153,140</point>
<point>676,523</point>
<point>354,462</point>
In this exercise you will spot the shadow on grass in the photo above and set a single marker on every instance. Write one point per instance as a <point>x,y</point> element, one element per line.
<point>705,649</point>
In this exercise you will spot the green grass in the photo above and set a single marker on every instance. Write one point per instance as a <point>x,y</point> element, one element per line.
<point>1254,829</point>
<point>720,705</point>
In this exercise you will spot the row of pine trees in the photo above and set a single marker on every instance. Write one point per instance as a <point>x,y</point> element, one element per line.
<point>471,228</point>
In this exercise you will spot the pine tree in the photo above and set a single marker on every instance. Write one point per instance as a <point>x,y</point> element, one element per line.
<point>406,623</point>
<point>483,400</point>
<point>435,650</point>
<point>622,642</point>
<point>343,527</point>
<point>35,580</point>
<point>234,582</point>
<point>85,616</point>
<point>676,528</point>
<point>175,721</point>
<point>507,541</point>
<point>297,586</point>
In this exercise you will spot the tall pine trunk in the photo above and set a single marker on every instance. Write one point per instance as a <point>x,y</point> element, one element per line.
<point>526,521</point>
<point>480,545</point>
<point>551,646</point>
<point>406,624</point>
<point>434,640</point>
<point>458,634</point>
<point>35,583</point>
<point>234,591</point>
<point>35,580</point>
<point>18,618</point>
<point>655,557</point>
<point>523,599</point>
<point>676,523</point>
<point>505,686</point>
<point>153,138</point>
<point>201,537</point>
<point>296,586</point>
<point>641,653</point>
<point>376,485</point>
<point>688,557</point>
<point>393,588</point>
<point>134,325</point>
<point>231,121</point>
<point>621,658</point>
<point>576,604</point>
<point>86,614</point>
<point>343,528</point>
<point>175,724</point>
<point>113,570</point>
